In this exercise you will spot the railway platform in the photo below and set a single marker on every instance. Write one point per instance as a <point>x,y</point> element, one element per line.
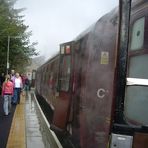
<point>26,126</point>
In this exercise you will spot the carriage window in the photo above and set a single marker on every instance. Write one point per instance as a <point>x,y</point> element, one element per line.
<point>136,96</point>
<point>137,39</point>
<point>146,34</point>
<point>136,104</point>
<point>65,73</point>
<point>33,74</point>
<point>138,67</point>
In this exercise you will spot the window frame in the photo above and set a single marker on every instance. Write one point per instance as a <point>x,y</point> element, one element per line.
<point>60,79</point>
<point>132,53</point>
<point>131,34</point>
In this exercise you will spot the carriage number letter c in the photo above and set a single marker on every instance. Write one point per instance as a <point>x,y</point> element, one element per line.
<point>101,93</point>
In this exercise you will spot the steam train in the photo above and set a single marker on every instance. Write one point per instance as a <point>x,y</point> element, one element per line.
<point>80,84</point>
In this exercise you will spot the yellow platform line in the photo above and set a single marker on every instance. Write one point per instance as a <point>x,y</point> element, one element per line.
<point>17,137</point>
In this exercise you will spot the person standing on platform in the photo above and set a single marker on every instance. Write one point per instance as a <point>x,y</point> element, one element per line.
<point>2,79</point>
<point>29,78</point>
<point>7,92</point>
<point>27,85</point>
<point>12,75</point>
<point>17,88</point>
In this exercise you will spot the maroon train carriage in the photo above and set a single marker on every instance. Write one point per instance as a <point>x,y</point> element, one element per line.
<point>81,85</point>
<point>47,79</point>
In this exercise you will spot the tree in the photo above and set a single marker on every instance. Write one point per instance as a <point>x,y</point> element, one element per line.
<point>21,49</point>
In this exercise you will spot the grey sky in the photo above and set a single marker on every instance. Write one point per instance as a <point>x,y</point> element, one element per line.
<point>56,21</point>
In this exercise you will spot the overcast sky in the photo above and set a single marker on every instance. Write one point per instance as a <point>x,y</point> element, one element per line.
<point>57,21</point>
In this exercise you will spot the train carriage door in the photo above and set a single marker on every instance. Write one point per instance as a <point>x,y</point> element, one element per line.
<point>132,91</point>
<point>136,101</point>
<point>122,50</point>
<point>64,88</point>
<point>136,92</point>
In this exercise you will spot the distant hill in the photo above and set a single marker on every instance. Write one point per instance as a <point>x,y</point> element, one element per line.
<point>36,62</point>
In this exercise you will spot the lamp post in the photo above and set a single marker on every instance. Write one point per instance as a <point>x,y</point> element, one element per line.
<point>8,49</point>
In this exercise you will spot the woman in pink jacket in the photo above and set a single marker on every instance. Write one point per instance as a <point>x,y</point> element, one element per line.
<point>7,92</point>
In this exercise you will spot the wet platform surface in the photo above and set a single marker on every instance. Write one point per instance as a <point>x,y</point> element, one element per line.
<point>17,137</point>
<point>29,127</point>
<point>5,124</point>
<point>34,132</point>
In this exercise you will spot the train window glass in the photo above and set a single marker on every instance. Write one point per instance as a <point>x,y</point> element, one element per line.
<point>46,76</point>
<point>65,73</point>
<point>138,67</point>
<point>33,74</point>
<point>138,34</point>
<point>136,104</point>
<point>146,33</point>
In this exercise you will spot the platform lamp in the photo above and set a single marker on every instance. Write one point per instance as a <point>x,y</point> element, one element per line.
<point>8,49</point>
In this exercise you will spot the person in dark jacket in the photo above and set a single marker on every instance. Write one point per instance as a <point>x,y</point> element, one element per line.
<point>27,84</point>
<point>2,79</point>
